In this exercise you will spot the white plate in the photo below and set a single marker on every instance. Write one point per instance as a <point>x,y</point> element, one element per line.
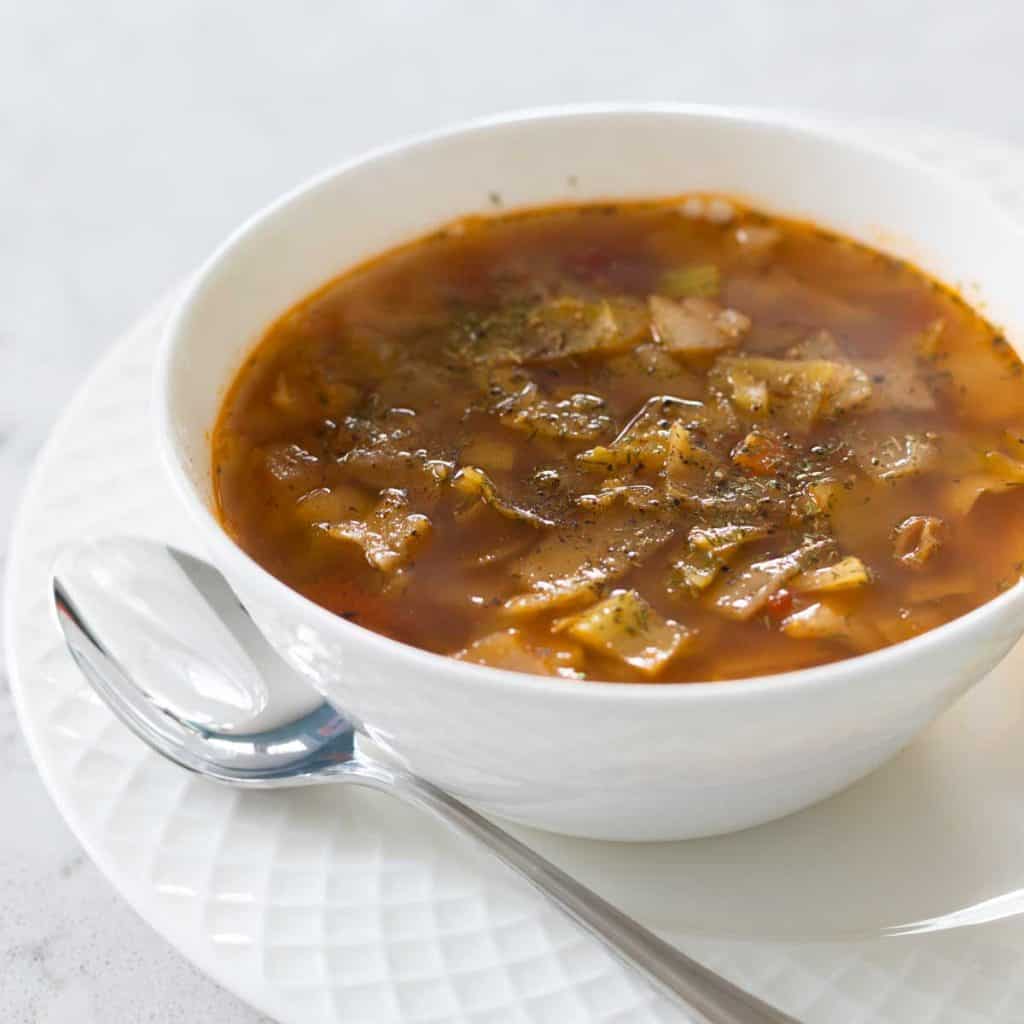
<point>336,906</point>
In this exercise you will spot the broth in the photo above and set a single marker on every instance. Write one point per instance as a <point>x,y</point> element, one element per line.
<point>662,441</point>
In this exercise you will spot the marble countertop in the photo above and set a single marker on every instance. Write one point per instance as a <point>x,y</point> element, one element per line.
<point>135,135</point>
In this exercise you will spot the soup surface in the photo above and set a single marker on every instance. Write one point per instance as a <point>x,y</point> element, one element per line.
<point>663,441</point>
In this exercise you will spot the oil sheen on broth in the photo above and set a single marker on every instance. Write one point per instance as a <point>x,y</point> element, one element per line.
<point>665,441</point>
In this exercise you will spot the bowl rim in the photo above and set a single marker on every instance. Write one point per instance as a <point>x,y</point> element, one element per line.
<point>779,684</point>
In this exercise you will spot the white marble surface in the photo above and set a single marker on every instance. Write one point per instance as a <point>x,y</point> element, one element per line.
<point>132,136</point>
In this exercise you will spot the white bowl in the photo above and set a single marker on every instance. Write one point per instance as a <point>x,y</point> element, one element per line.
<point>592,759</point>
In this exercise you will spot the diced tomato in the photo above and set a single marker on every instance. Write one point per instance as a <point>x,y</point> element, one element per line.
<point>780,604</point>
<point>760,453</point>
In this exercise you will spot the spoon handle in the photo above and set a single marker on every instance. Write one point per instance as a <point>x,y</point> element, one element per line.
<point>707,996</point>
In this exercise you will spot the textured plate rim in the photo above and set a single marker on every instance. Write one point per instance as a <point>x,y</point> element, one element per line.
<point>134,894</point>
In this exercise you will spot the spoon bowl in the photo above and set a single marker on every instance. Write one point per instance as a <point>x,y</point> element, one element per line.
<point>290,752</point>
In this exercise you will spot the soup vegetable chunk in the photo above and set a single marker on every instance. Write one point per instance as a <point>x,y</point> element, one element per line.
<point>644,442</point>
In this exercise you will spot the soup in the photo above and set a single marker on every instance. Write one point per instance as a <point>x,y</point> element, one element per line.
<point>642,442</point>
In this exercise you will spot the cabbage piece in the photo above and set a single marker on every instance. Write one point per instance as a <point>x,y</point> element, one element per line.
<point>847,574</point>
<point>686,462</point>
<point>899,626</point>
<point>650,359</point>
<point>1001,474</point>
<point>1014,437</point>
<point>508,649</point>
<point>896,457</point>
<point>819,345</point>
<point>778,295</point>
<point>644,441</point>
<point>735,498</point>
<point>556,329</point>
<point>566,327</point>
<point>390,536</point>
<point>473,482</point>
<point>723,541</point>
<point>626,627</point>
<point>698,280</point>
<point>497,551</point>
<point>819,621</point>
<point>709,550</point>
<point>580,417</point>
<point>382,454</point>
<point>745,593</point>
<point>695,571</point>
<point>926,589</point>
<point>416,473</point>
<point>684,448</point>
<point>572,565</point>
<point>965,375</point>
<point>292,465</point>
<point>641,496</point>
<point>332,504</point>
<point>749,394</point>
<point>319,388</point>
<point>898,384</point>
<point>962,495</point>
<point>696,326</point>
<point>1005,469</point>
<point>817,498</point>
<point>917,539</point>
<point>800,391</point>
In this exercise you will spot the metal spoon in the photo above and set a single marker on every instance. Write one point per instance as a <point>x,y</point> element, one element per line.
<point>114,599</point>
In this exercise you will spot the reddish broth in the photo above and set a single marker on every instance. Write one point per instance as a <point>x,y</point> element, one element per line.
<point>665,441</point>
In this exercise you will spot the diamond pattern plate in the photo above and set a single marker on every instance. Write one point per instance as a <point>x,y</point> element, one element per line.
<point>332,905</point>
